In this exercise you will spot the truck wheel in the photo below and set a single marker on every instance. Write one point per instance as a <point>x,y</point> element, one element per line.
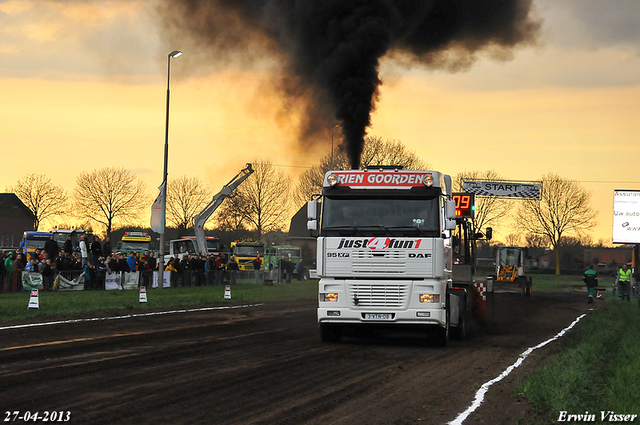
<point>330,333</point>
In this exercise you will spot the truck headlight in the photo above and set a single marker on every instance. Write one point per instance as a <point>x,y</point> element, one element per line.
<point>429,298</point>
<point>329,297</point>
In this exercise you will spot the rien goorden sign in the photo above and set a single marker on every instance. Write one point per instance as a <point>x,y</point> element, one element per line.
<point>372,179</point>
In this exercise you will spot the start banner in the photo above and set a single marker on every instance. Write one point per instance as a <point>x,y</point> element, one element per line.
<point>503,189</point>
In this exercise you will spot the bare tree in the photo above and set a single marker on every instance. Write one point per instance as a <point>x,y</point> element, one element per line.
<point>229,216</point>
<point>563,210</point>
<point>110,195</point>
<point>262,201</point>
<point>186,197</point>
<point>490,210</point>
<point>44,199</point>
<point>376,152</point>
<point>513,239</point>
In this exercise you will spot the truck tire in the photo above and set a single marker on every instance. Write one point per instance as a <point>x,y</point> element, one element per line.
<point>330,333</point>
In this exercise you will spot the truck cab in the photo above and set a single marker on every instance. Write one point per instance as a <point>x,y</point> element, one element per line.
<point>383,252</point>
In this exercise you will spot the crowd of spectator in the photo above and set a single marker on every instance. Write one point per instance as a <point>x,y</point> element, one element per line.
<point>96,258</point>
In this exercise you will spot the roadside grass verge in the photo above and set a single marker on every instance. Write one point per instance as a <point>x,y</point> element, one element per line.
<point>76,304</point>
<point>598,369</point>
<point>557,283</point>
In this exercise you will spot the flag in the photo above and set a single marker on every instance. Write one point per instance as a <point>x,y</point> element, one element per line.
<point>157,222</point>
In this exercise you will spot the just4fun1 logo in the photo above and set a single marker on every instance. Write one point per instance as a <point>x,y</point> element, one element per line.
<point>380,243</point>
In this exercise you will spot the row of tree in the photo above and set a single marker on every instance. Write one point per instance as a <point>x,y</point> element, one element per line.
<point>266,201</point>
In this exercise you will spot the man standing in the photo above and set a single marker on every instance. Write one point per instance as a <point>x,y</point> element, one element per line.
<point>624,282</point>
<point>232,266</point>
<point>590,278</point>
<point>257,262</point>
<point>51,247</point>
<point>84,250</point>
<point>281,267</point>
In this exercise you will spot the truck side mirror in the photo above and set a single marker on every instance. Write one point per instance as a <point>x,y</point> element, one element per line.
<point>450,224</point>
<point>312,210</point>
<point>450,210</point>
<point>312,225</point>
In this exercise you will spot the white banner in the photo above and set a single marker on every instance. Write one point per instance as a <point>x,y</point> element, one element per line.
<point>31,280</point>
<point>112,281</point>
<point>130,280</point>
<point>157,213</point>
<point>63,284</point>
<point>626,216</point>
<point>166,279</point>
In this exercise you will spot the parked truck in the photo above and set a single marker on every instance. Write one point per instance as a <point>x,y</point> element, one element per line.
<point>201,244</point>
<point>134,242</point>
<point>244,252</point>
<point>187,245</point>
<point>384,253</point>
<point>274,253</point>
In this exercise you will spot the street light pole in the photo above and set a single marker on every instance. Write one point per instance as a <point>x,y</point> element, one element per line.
<point>174,54</point>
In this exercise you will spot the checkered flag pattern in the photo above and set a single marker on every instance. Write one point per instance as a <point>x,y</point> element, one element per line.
<point>481,289</point>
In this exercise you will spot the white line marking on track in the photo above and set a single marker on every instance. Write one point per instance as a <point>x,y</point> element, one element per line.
<point>485,387</point>
<point>128,316</point>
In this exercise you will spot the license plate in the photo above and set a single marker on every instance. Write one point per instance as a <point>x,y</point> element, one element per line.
<point>377,316</point>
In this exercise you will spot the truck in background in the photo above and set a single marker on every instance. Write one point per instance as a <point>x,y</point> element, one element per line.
<point>134,242</point>
<point>244,252</point>
<point>33,240</point>
<point>274,253</point>
<point>384,253</point>
<point>187,245</point>
<point>201,218</point>
<point>61,235</point>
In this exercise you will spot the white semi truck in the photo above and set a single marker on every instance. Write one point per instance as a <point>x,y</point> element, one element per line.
<point>384,254</point>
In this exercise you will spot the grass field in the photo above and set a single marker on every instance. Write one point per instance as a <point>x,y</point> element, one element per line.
<point>72,304</point>
<point>597,370</point>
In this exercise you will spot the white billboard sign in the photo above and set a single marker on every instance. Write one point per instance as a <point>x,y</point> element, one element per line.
<point>626,216</point>
<point>503,189</point>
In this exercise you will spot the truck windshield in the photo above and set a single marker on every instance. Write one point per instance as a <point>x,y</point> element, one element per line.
<point>248,251</point>
<point>380,216</point>
<point>293,252</point>
<point>213,245</point>
<point>134,246</point>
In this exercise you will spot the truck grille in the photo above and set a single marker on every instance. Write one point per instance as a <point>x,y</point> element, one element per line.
<point>363,255</point>
<point>378,295</point>
<point>372,262</point>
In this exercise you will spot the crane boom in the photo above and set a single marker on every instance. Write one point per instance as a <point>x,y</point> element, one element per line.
<point>201,218</point>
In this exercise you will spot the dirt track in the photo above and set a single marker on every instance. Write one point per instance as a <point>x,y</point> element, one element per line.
<point>266,365</point>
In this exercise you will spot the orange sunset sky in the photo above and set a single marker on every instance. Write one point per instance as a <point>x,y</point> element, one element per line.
<point>83,86</point>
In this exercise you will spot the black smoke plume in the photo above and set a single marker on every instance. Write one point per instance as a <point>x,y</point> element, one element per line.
<point>330,50</point>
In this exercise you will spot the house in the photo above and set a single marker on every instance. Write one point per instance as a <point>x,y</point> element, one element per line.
<point>15,219</point>
<point>300,236</point>
<point>607,259</point>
